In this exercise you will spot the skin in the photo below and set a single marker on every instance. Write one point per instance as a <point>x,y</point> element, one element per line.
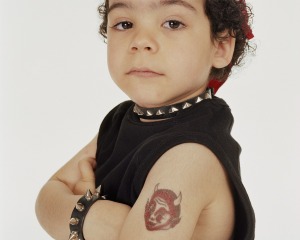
<point>158,54</point>
<point>170,47</point>
<point>206,206</point>
<point>60,193</point>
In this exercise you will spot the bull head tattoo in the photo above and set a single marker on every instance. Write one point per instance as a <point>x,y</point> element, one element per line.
<point>162,211</point>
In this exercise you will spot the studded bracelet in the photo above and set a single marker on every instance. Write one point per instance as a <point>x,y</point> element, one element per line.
<point>80,211</point>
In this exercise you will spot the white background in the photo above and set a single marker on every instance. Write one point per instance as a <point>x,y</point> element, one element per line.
<point>55,89</point>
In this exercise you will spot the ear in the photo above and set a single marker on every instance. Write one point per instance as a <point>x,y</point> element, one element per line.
<point>224,51</point>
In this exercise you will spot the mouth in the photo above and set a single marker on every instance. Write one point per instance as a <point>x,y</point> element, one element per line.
<point>143,72</point>
<point>151,224</point>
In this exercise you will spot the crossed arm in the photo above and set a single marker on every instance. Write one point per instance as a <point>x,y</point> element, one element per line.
<point>59,195</point>
<point>183,182</point>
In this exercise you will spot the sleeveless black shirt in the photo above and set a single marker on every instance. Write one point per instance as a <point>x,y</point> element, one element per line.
<point>127,149</point>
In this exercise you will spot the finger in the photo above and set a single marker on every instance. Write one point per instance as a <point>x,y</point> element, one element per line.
<point>86,169</point>
<point>92,161</point>
<point>81,187</point>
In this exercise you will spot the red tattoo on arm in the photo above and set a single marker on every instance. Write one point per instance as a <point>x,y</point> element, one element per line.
<point>162,211</point>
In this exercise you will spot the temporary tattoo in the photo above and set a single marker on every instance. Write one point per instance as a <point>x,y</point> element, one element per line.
<point>162,211</point>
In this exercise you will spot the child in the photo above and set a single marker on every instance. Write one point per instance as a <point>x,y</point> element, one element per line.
<point>166,162</point>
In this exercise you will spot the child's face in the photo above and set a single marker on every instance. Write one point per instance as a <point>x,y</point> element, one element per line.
<point>159,51</point>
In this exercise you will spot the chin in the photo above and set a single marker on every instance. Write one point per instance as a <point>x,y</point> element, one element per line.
<point>148,102</point>
<point>148,99</point>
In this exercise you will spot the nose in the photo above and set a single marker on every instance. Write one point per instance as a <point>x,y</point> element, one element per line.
<point>144,41</point>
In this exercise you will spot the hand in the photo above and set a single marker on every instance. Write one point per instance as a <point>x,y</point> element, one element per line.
<point>87,180</point>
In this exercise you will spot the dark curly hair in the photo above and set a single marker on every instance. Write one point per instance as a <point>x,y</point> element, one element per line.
<point>233,16</point>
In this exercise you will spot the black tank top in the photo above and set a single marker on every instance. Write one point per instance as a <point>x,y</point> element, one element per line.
<point>127,149</point>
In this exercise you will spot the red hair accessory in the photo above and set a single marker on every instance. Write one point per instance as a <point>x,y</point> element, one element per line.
<point>215,84</point>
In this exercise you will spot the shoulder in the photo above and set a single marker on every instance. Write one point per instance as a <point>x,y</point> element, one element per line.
<point>114,117</point>
<point>118,110</point>
<point>191,165</point>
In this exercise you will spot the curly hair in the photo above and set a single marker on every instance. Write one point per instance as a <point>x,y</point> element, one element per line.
<point>233,16</point>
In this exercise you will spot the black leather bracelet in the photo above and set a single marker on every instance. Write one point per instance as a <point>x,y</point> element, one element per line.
<point>80,211</point>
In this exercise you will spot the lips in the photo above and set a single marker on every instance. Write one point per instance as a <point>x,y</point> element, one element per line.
<point>143,72</point>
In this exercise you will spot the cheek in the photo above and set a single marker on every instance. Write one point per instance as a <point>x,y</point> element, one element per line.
<point>189,65</point>
<point>165,218</point>
<point>113,61</point>
<point>111,51</point>
<point>194,54</point>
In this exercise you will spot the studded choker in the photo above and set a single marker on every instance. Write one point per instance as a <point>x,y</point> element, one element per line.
<point>171,110</point>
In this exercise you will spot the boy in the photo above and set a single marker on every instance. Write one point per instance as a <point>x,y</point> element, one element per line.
<point>166,161</point>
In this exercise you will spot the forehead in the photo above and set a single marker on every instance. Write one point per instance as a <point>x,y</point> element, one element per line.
<point>192,5</point>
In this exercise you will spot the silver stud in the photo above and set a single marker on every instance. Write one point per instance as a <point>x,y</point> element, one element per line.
<point>73,236</point>
<point>199,99</point>
<point>186,105</point>
<point>104,197</point>
<point>74,221</point>
<point>97,192</point>
<point>88,196</point>
<point>149,113</point>
<point>79,207</point>
<point>98,189</point>
<point>208,95</point>
<point>160,112</point>
<point>137,110</point>
<point>173,109</point>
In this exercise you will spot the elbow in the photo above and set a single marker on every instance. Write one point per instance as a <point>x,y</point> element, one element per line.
<point>39,207</point>
<point>41,211</point>
<point>44,215</point>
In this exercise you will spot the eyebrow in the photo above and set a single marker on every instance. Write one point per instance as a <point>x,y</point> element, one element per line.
<point>119,5</point>
<point>177,2</point>
<point>161,3</point>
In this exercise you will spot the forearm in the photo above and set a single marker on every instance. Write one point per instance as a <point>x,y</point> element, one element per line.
<point>55,204</point>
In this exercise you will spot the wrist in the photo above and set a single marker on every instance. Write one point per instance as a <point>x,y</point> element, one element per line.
<point>80,212</point>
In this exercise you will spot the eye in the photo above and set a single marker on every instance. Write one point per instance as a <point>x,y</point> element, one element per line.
<point>152,207</point>
<point>173,24</point>
<point>123,25</point>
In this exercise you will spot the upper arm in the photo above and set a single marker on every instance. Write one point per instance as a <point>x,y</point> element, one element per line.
<point>183,182</point>
<point>69,173</point>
